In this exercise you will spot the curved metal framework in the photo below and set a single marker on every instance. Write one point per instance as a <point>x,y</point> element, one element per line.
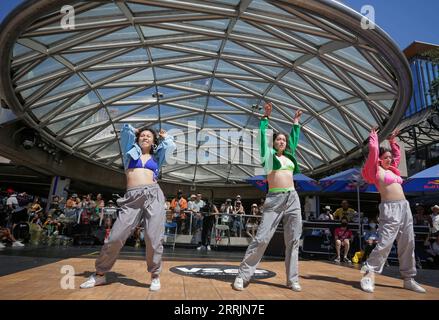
<point>164,63</point>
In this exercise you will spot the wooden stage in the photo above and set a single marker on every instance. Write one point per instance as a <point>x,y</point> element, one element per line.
<point>128,280</point>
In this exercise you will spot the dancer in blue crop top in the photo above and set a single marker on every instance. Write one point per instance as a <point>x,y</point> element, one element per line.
<point>143,156</point>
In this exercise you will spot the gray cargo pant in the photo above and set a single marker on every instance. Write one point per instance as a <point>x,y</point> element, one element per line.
<point>395,223</point>
<point>143,202</point>
<point>277,206</point>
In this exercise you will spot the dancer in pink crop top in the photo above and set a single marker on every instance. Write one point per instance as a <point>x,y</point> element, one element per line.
<point>395,219</point>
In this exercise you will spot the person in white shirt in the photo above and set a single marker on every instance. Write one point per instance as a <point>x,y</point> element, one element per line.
<point>326,215</point>
<point>435,220</point>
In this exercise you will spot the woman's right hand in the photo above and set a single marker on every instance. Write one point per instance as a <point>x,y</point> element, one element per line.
<point>268,108</point>
<point>374,130</point>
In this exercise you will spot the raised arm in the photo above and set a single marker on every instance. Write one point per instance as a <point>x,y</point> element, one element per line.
<point>295,132</point>
<point>127,137</point>
<point>394,146</point>
<point>369,170</point>
<point>264,149</point>
<point>165,148</point>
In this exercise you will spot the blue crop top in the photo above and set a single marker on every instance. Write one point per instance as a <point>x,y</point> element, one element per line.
<point>151,164</point>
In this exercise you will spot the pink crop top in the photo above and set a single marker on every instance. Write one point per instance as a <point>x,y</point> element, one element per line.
<point>390,177</point>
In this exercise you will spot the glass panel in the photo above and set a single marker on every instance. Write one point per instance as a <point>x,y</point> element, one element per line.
<point>47,66</point>
<point>71,140</point>
<point>279,94</point>
<point>316,65</point>
<point>117,110</point>
<point>336,93</point>
<point>199,102</point>
<point>226,67</point>
<point>104,10</point>
<point>206,65</point>
<point>291,55</point>
<point>149,114</point>
<point>211,122</point>
<point>108,151</point>
<point>243,27</point>
<point>43,110</point>
<point>128,33</point>
<point>74,82</point>
<point>157,32</point>
<point>166,110</point>
<point>317,41</point>
<point>316,127</point>
<point>268,70</point>
<point>20,50</point>
<point>94,76</point>
<point>75,58</point>
<point>144,75</point>
<point>317,105</point>
<point>366,85</point>
<point>57,126</point>
<point>352,54</point>
<point>266,7</point>
<point>327,151</point>
<point>228,2</point>
<point>202,84</point>
<point>161,53</point>
<point>87,100</point>
<point>233,48</point>
<point>295,80</point>
<point>162,73</point>
<point>112,92</point>
<point>99,116</point>
<point>344,141</point>
<point>215,104</point>
<point>28,92</point>
<point>360,109</point>
<point>257,86</point>
<point>135,55</point>
<point>336,119</point>
<point>137,7</point>
<point>145,94</point>
<point>220,24</point>
<point>211,45</point>
<point>388,104</point>
<point>105,133</point>
<point>218,85</point>
<point>47,40</point>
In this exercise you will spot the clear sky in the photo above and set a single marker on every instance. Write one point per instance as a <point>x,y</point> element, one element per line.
<point>404,20</point>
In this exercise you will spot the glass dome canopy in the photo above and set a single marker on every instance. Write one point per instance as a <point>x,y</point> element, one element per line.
<point>200,69</point>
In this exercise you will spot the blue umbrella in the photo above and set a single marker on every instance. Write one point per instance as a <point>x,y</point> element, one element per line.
<point>347,181</point>
<point>424,181</point>
<point>302,183</point>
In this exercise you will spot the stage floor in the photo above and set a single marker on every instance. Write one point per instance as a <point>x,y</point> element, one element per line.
<point>37,277</point>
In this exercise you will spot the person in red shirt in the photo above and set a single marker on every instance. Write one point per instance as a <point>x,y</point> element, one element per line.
<point>343,237</point>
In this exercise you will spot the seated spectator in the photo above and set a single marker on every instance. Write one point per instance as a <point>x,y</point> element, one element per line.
<point>326,215</point>
<point>6,234</point>
<point>343,237</point>
<point>344,212</point>
<point>370,237</point>
<point>432,250</point>
<point>52,226</point>
<point>421,218</point>
<point>253,222</point>
<point>435,220</point>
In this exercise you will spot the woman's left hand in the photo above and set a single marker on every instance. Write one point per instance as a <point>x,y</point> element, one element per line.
<point>393,135</point>
<point>297,115</point>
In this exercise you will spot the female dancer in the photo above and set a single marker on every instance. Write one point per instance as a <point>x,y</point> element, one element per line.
<point>396,221</point>
<point>143,200</point>
<point>282,202</point>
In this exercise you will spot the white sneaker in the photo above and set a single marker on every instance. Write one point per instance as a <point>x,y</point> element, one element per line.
<point>17,244</point>
<point>200,248</point>
<point>155,284</point>
<point>238,284</point>
<point>411,284</point>
<point>295,286</point>
<point>2,246</point>
<point>93,281</point>
<point>208,248</point>
<point>367,283</point>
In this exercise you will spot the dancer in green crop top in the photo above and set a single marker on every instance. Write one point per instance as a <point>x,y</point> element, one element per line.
<point>282,202</point>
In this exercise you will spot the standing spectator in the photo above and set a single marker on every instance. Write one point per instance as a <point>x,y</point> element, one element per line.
<point>237,199</point>
<point>238,212</point>
<point>178,205</point>
<point>253,222</point>
<point>197,222</point>
<point>343,237</point>
<point>326,214</point>
<point>344,212</point>
<point>12,202</point>
<point>208,211</point>
<point>72,202</point>
<point>435,220</point>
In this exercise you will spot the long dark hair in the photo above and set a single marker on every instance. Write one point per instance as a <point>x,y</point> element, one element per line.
<point>287,138</point>
<point>154,133</point>
<point>383,150</point>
